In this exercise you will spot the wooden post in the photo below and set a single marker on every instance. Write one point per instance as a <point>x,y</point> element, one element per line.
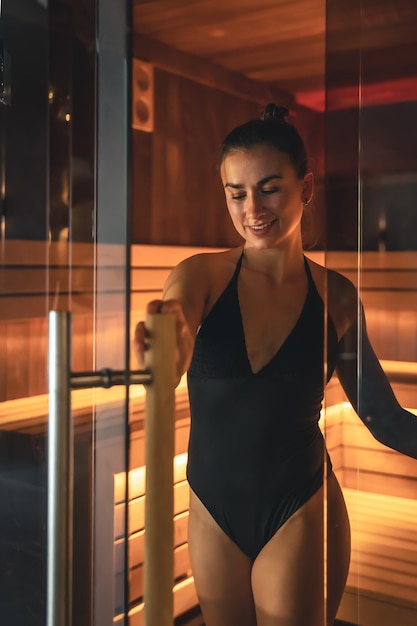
<point>159,451</point>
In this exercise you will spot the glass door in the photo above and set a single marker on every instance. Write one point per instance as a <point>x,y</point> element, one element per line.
<point>371,93</point>
<point>65,120</point>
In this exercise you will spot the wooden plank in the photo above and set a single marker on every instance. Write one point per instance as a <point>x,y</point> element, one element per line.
<point>182,562</point>
<point>231,34</point>
<point>137,510</point>
<point>398,586</point>
<point>82,342</point>
<point>182,569</point>
<point>182,433</point>
<point>181,497</point>
<point>17,362</point>
<point>369,609</point>
<point>154,256</point>
<point>180,179</point>
<point>369,482</point>
<point>137,546</point>
<point>384,547</point>
<point>381,460</point>
<point>142,166</point>
<point>137,477</point>
<point>149,279</point>
<point>3,361</point>
<point>365,544</point>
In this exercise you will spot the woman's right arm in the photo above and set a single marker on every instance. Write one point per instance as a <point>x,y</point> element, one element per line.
<point>185,296</point>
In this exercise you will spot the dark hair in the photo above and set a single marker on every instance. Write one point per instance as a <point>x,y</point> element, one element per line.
<point>272,130</point>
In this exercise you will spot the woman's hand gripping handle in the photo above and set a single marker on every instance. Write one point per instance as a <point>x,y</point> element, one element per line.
<point>184,337</point>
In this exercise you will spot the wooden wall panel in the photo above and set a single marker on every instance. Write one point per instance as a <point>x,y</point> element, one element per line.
<point>197,68</point>
<point>388,290</point>
<point>3,361</point>
<point>382,583</point>
<point>187,205</point>
<point>17,362</point>
<point>35,347</point>
<point>141,186</point>
<point>177,197</point>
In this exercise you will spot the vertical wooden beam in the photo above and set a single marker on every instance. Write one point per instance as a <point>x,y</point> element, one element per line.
<point>159,455</point>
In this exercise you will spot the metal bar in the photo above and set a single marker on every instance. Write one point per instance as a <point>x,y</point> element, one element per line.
<point>109,378</point>
<point>159,375</point>
<point>159,457</point>
<point>60,474</point>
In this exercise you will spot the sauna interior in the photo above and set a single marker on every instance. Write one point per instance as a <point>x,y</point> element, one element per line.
<point>110,117</point>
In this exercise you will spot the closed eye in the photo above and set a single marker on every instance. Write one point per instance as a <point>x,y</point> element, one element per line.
<point>267,192</point>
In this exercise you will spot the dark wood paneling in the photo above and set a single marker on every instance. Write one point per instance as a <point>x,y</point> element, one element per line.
<point>177,197</point>
<point>287,44</point>
<point>196,104</point>
<point>281,42</point>
<point>141,186</point>
<point>187,204</point>
<point>188,200</point>
<point>195,67</point>
<point>3,364</point>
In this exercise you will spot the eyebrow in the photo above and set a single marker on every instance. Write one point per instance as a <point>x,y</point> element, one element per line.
<point>263,181</point>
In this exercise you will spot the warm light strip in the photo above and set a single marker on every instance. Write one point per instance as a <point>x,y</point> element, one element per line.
<point>399,367</point>
<point>137,477</point>
<point>35,407</point>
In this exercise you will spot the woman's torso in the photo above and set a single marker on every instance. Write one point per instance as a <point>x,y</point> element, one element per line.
<point>256,427</point>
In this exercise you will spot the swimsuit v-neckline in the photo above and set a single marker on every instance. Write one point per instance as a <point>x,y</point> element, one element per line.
<point>292,331</point>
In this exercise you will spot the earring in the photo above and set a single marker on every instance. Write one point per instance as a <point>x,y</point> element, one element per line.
<point>305,201</point>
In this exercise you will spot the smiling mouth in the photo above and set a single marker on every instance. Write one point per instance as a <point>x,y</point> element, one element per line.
<point>260,227</point>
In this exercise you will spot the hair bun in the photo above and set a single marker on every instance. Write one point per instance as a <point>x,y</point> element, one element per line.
<point>275,112</point>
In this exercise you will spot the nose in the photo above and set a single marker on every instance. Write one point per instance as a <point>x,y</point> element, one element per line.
<point>254,207</point>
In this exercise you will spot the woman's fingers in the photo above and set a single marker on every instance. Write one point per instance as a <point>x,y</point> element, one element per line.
<point>154,306</point>
<point>141,336</point>
<point>140,342</point>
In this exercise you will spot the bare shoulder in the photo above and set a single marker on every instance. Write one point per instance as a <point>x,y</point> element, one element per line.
<point>202,268</point>
<point>197,280</point>
<point>339,293</point>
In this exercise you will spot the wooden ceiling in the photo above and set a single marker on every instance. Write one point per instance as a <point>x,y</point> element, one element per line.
<point>283,42</point>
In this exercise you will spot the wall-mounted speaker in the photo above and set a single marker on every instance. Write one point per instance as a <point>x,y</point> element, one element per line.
<point>142,94</point>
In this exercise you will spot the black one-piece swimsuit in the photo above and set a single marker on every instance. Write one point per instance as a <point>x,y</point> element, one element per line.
<point>256,453</point>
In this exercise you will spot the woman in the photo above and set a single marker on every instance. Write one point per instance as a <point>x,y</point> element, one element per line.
<point>250,333</point>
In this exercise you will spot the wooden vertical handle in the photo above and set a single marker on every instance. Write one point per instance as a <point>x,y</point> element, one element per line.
<point>159,451</point>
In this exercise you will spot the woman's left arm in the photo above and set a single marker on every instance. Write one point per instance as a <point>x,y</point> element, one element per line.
<point>370,393</point>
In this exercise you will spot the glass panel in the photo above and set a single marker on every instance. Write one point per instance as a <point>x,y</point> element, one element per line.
<point>371,95</point>
<point>112,309</point>
<point>23,403</point>
<point>63,147</point>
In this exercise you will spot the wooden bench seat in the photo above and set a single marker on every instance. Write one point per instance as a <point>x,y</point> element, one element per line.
<point>382,583</point>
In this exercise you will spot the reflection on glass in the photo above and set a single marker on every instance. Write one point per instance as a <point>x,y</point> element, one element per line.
<point>53,256</point>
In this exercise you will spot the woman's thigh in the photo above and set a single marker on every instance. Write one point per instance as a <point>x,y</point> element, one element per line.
<point>222,572</point>
<point>338,547</point>
<point>289,573</point>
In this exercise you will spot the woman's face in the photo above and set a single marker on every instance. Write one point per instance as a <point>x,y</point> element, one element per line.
<point>264,196</point>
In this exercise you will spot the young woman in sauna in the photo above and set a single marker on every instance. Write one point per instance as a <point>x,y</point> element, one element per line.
<point>250,333</point>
